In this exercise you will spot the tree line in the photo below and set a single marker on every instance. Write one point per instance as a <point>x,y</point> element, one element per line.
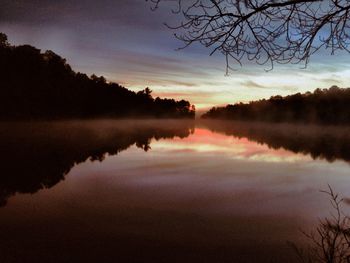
<point>36,85</point>
<point>323,106</point>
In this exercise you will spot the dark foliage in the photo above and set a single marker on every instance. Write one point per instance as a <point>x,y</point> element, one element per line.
<point>327,106</point>
<point>42,85</point>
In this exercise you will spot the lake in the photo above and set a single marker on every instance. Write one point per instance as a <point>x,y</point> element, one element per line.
<point>165,191</point>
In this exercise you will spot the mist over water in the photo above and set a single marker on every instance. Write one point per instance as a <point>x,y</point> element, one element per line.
<point>164,191</point>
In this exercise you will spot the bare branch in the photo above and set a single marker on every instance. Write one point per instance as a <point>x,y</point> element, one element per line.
<point>266,32</point>
<point>329,243</point>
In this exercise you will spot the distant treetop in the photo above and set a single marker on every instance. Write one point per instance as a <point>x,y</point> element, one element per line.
<point>3,40</point>
<point>323,106</point>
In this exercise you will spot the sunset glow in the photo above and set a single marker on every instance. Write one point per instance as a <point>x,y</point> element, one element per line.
<point>204,141</point>
<point>127,43</point>
<point>177,131</point>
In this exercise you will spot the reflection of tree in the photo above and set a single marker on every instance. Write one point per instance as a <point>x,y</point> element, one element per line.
<point>330,143</point>
<point>36,156</point>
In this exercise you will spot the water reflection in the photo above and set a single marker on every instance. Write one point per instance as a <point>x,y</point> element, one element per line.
<point>39,155</point>
<point>196,196</point>
<point>320,142</point>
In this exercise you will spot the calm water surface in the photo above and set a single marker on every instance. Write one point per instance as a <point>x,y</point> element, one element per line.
<point>165,191</point>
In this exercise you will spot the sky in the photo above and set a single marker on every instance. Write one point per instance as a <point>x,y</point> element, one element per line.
<point>128,43</point>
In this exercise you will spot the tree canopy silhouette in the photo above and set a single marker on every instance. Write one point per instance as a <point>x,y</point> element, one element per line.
<point>264,31</point>
<point>37,85</point>
<point>327,106</point>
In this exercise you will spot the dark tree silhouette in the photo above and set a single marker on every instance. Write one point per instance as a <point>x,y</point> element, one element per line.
<point>37,85</point>
<point>327,106</point>
<point>264,31</point>
<point>3,40</point>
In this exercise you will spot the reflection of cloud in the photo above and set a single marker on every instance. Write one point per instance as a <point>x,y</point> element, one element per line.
<point>211,143</point>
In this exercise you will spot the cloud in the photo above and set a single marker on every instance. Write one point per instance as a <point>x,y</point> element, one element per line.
<point>331,80</point>
<point>130,13</point>
<point>124,41</point>
<point>184,83</point>
<point>184,94</point>
<point>252,84</point>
